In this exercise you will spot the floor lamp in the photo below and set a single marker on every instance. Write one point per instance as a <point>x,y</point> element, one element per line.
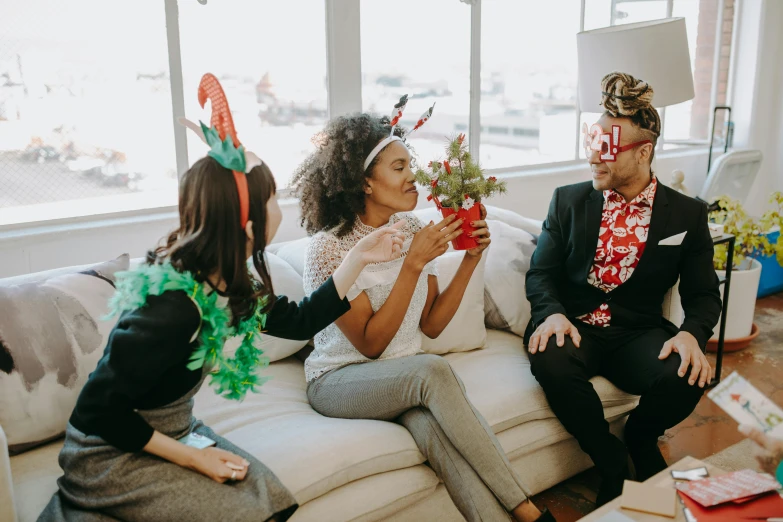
<point>655,51</point>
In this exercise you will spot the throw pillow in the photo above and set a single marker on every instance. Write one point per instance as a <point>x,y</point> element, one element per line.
<point>285,281</point>
<point>508,259</point>
<point>466,331</point>
<point>294,253</point>
<point>52,335</point>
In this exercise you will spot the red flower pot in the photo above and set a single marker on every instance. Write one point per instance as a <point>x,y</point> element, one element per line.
<point>464,242</point>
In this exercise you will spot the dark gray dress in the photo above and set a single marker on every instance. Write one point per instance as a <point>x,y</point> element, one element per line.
<point>105,483</point>
<point>142,385</point>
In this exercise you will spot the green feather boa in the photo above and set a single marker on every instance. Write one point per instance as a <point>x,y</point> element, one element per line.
<point>231,377</point>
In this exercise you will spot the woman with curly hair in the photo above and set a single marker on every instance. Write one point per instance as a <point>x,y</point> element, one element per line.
<point>369,364</point>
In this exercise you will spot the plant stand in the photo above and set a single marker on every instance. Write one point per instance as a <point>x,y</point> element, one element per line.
<point>726,281</point>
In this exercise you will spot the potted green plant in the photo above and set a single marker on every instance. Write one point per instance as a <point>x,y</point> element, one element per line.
<point>457,185</point>
<point>755,241</point>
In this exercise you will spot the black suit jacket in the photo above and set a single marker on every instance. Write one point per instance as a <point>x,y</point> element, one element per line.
<point>557,279</point>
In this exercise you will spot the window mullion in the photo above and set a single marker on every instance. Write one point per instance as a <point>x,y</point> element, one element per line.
<point>716,61</point>
<point>662,141</point>
<point>732,55</point>
<point>474,127</point>
<point>176,84</point>
<point>343,57</point>
<point>578,110</point>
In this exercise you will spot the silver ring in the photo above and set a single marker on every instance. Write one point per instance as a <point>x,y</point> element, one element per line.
<point>234,475</point>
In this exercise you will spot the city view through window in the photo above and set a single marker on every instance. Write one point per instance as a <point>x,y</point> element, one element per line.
<point>86,122</point>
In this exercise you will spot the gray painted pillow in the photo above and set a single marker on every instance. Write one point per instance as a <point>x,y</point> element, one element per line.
<point>52,335</point>
<point>508,259</point>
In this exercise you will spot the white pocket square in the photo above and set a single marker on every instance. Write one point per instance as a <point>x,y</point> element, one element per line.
<point>673,240</point>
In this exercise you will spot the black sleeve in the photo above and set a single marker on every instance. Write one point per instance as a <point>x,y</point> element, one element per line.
<point>699,283</point>
<point>302,321</point>
<point>143,345</point>
<point>546,266</point>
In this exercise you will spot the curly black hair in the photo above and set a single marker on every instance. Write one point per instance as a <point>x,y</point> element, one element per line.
<point>330,183</point>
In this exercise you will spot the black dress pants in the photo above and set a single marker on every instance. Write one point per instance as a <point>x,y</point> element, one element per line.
<point>628,357</point>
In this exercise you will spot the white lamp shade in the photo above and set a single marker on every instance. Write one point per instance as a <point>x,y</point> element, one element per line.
<point>655,51</point>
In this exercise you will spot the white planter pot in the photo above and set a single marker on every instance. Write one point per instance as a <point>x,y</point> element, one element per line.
<point>742,301</point>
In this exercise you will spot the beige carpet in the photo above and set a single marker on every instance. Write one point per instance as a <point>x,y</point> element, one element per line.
<point>737,457</point>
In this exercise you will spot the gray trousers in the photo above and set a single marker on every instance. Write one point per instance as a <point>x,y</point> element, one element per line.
<point>423,393</point>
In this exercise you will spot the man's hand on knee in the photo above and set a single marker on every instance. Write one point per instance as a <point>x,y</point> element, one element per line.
<point>557,325</point>
<point>691,355</point>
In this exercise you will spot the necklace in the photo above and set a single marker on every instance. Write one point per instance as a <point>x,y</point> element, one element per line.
<point>230,377</point>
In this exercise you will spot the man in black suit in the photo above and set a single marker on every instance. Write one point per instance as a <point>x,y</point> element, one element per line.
<point>609,252</point>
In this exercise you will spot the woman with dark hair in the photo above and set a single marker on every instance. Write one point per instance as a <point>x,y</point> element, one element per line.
<point>133,450</point>
<point>369,364</point>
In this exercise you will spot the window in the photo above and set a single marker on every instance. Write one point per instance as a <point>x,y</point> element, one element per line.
<point>688,122</point>
<point>85,109</point>
<point>421,49</point>
<point>528,81</point>
<point>632,11</point>
<point>86,93</point>
<point>273,72</point>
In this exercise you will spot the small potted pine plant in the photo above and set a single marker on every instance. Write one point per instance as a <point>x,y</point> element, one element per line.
<point>457,186</point>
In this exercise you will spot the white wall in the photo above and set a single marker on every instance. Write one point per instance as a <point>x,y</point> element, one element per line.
<point>45,247</point>
<point>757,95</point>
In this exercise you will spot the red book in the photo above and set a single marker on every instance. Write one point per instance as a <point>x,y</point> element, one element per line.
<point>731,486</point>
<point>763,507</point>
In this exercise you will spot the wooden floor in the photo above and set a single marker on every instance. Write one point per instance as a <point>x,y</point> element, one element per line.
<point>708,430</point>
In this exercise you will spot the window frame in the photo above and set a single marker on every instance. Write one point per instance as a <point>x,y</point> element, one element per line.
<point>475,100</point>
<point>344,89</point>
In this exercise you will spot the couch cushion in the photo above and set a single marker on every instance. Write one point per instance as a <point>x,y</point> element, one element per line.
<point>329,453</point>
<point>313,455</point>
<point>327,463</point>
<point>466,330</point>
<point>501,387</point>
<point>35,475</point>
<point>382,495</point>
<point>292,252</point>
<point>552,464</point>
<point>508,260</point>
<point>310,453</point>
<point>530,437</point>
<point>285,281</point>
<point>52,334</point>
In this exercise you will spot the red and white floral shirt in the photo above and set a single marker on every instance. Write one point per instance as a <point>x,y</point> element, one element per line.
<point>621,241</point>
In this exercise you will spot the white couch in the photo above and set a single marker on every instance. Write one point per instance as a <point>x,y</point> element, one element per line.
<point>361,469</point>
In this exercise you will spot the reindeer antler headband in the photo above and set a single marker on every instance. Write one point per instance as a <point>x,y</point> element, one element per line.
<point>399,107</point>
<point>222,139</point>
